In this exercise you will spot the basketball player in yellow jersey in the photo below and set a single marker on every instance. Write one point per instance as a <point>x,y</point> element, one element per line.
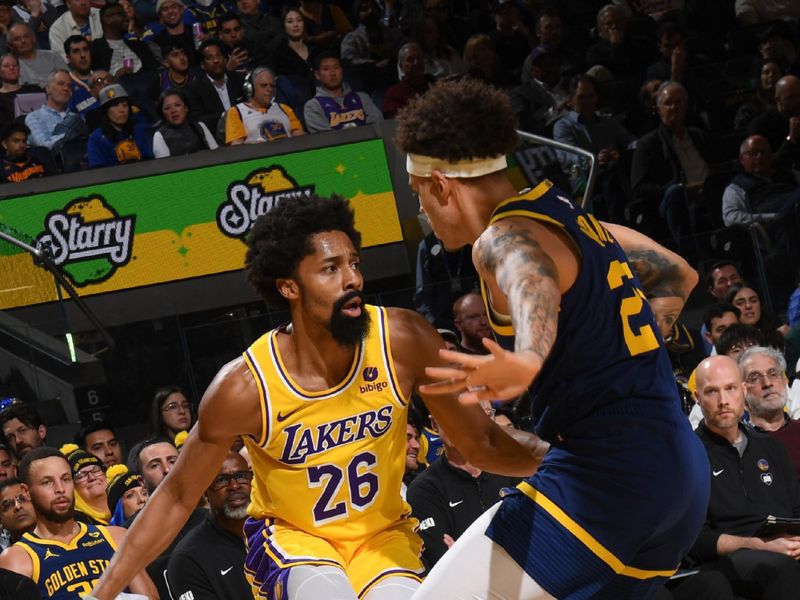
<point>321,404</point>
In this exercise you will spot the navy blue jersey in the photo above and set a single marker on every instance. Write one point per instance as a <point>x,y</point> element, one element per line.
<point>69,571</point>
<point>607,348</point>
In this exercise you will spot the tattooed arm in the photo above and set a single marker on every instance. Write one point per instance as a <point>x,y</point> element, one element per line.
<point>667,278</point>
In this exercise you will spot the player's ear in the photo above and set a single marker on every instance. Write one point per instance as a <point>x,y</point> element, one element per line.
<point>441,186</point>
<point>287,288</point>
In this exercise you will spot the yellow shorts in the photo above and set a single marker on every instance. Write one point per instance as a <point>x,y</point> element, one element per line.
<point>274,546</point>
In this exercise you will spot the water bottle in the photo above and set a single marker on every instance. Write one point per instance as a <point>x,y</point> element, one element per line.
<point>197,34</point>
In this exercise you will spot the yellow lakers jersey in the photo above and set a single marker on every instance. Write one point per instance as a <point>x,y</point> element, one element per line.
<point>68,571</point>
<point>330,462</point>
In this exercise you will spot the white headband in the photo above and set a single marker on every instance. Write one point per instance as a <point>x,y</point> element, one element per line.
<point>423,166</point>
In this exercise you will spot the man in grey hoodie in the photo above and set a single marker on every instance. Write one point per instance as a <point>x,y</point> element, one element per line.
<point>336,106</point>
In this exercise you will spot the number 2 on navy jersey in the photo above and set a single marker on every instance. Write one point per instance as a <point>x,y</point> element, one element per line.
<point>645,340</point>
<point>361,482</point>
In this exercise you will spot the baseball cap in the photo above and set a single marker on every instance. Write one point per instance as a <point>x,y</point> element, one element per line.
<point>162,3</point>
<point>110,93</point>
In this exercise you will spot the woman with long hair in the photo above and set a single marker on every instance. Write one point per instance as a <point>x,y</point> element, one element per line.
<point>294,55</point>
<point>441,60</point>
<point>753,312</point>
<point>170,412</point>
<point>177,134</point>
<point>121,137</point>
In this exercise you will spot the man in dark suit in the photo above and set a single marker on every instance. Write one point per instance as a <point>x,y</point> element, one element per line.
<point>216,89</point>
<point>670,166</point>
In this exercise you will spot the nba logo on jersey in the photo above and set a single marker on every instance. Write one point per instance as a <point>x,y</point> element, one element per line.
<point>369,375</point>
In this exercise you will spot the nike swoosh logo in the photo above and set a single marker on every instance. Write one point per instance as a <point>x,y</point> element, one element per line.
<point>715,473</point>
<point>225,572</point>
<point>452,504</point>
<point>280,418</point>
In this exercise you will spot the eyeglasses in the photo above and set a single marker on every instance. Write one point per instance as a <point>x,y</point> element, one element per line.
<point>88,472</point>
<point>754,377</point>
<point>9,503</point>
<point>106,79</point>
<point>224,479</point>
<point>177,406</point>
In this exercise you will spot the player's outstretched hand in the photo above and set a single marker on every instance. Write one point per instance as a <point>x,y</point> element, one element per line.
<point>501,375</point>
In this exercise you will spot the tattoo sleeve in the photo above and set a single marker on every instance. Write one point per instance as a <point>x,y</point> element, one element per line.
<point>528,278</point>
<point>659,277</point>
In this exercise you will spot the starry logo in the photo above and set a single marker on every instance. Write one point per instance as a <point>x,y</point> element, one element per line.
<point>88,238</point>
<point>256,195</point>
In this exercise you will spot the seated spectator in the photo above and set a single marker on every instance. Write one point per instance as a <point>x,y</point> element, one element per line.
<point>472,323</point>
<point>615,49</point>
<point>207,13</point>
<point>602,136</point>
<point>18,164</point>
<point>23,428</point>
<point>769,74</point>
<point>294,56</point>
<point>111,51</point>
<point>234,45</point>
<point>326,24</point>
<point>175,31</point>
<point>262,31</point>
<point>542,98</point>
<point>753,312</point>
<point>481,62</point>
<point>175,73</point>
<point>88,473</point>
<point>781,125</point>
<point>717,318</point>
<point>412,467</point>
<point>372,47</point>
<point>125,492</point>
<point>10,87</point>
<point>259,118</point>
<point>413,80</point>
<point>642,118</point>
<point>767,398</point>
<point>100,78</point>
<point>39,15</point>
<point>100,439</point>
<point>751,477</point>
<point>778,43</point>
<point>753,12</point>
<point>737,338</point>
<point>153,459</point>
<point>335,105</point>
<point>8,468</point>
<point>760,195</point>
<point>549,32</point>
<point>54,124</point>
<point>121,138</point>
<point>56,528</point>
<point>137,26</point>
<point>441,60</point>
<point>80,19</point>
<point>178,135</point>
<point>35,66</point>
<point>79,60</point>
<point>722,274</point>
<point>441,278</point>
<point>672,64</point>
<point>16,511</point>
<point>669,169</point>
<point>512,39</point>
<point>209,561</point>
<point>215,90</point>
<point>448,496</point>
<point>170,413</point>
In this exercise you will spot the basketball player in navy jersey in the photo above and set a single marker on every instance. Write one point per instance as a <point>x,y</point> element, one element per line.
<point>621,495</point>
<point>63,557</point>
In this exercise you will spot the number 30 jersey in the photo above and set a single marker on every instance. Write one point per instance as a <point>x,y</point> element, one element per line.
<point>607,347</point>
<point>330,462</point>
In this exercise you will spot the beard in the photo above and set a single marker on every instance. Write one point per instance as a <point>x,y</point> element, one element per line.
<point>236,514</point>
<point>50,514</point>
<point>349,331</point>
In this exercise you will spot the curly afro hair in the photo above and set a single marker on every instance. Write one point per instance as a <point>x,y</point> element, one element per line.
<point>458,120</point>
<point>281,238</point>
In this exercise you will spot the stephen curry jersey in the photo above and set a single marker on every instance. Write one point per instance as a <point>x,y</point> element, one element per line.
<point>69,571</point>
<point>607,348</point>
<point>330,462</point>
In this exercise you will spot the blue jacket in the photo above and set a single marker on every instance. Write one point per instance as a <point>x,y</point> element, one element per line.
<point>104,152</point>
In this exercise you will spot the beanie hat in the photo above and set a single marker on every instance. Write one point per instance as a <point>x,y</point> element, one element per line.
<point>78,458</point>
<point>120,480</point>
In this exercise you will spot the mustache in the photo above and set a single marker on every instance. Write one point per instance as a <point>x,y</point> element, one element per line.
<point>347,297</point>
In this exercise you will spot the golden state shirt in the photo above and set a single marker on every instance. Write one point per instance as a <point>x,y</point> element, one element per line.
<point>330,462</point>
<point>68,571</point>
